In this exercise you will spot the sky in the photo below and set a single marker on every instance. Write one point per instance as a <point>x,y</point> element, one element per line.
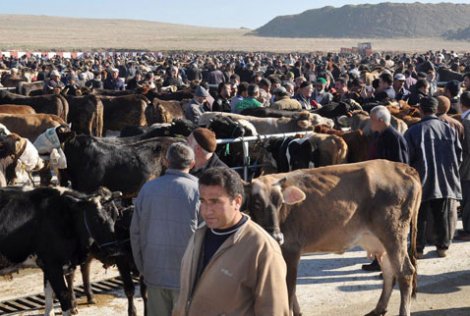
<point>221,13</point>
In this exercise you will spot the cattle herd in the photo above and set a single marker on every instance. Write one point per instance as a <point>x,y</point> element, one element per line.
<point>73,158</point>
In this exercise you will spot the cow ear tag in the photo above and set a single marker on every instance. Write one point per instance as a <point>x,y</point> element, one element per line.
<point>293,195</point>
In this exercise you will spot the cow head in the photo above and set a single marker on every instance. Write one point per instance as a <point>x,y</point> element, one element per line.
<point>94,219</point>
<point>64,133</point>
<point>266,198</point>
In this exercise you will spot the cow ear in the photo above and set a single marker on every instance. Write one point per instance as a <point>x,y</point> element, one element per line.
<point>293,195</point>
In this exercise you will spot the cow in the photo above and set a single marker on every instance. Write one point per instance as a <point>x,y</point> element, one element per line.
<point>361,120</point>
<point>176,128</point>
<point>446,74</point>
<point>268,112</point>
<point>372,204</point>
<point>265,125</point>
<point>27,88</point>
<point>57,226</point>
<point>24,158</point>
<point>126,110</point>
<point>31,126</point>
<point>48,104</point>
<point>93,162</point>
<point>86,115</point>
<point>336,109</point>
<point>160,111</point>
<point>16,109</point>
<point>357,142</point>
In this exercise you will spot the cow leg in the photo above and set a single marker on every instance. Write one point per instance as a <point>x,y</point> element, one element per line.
<point>405,274</point>
<point>143,293</point>
<point>292,258</point>
<point>70,279</point>
<point>85,269</point>
<point>48,298</point>
<point>129,287</point>
<point>387,287</point>
<point>56,278</point>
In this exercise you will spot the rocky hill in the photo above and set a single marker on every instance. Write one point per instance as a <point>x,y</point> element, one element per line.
<point>460,34</point>
<point>385,20</point>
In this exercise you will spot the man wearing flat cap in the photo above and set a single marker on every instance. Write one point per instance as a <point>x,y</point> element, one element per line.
<point>203,142</point>
<point>198,105</point>
<point>113,82</point>
<point>282,101</point>
<point>436,153</point>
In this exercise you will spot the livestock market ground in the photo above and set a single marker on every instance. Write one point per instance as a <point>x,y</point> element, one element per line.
<point>328,284</point>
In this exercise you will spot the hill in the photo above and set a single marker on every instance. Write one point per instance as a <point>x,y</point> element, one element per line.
<point>44,33</point>
<point>460,35</point>
<point>385,20</point>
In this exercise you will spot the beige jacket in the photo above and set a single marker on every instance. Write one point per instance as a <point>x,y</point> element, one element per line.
<point>246,276</point>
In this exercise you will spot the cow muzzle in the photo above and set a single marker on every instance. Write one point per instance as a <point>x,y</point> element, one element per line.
<point>279,237</point>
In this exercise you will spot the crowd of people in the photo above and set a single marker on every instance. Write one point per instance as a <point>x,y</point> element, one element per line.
<point>198,187</point>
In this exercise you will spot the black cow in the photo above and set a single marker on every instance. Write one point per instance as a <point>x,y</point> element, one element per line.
<point>58,227</point>
<point>335,109</point>
<point>292,153</point>
<point>93,162</point>
<point>268,112</point>
<point>178,127</point>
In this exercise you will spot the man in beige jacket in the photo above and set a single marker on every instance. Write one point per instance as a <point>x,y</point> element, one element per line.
<point>231,265</point>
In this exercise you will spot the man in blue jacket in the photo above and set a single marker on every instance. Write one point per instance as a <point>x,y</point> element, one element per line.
<point>165,217</point>
<point>436,153</point>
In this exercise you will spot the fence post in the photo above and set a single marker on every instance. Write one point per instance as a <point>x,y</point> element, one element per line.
<point>246,159</point>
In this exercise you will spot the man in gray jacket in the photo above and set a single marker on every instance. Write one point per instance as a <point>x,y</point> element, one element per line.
<point>165,217</point>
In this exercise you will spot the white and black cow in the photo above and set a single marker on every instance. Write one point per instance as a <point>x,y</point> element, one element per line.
<point>56,227</point>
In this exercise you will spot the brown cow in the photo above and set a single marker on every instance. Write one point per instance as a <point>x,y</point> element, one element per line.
<point>357,142</point>
<point>48,104</point>
<point>30,126</point>
<point>86,115</point>
<point>16,109</point>
<point>163,111</point>
<point>372,204</point>
<point>122,111</point>
<point>361,120</point>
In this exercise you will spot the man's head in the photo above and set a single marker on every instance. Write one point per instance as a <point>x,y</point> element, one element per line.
<point>253,90</point>
<point>203,142</point>
<point>321,84</point>
<point>466,81</point>
<point>341,86</point>
<point>452,88</point>
<point>306,89</point>
<point>225,90</point>
<point>115,72</point>
<point>465,101</point>
<point>200,94</point>
<point>398,81</point>
<point>180,156</point>
<point>385,81</point>
<point>428,105</point>
<point>379,118</point>
<point>444,105</point>
<point>221,195</point>
<point>422,85</point>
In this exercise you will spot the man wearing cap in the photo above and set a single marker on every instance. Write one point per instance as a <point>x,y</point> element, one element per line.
<point>113,82</point>
<point>203,142</point>
<point>442,109</point>
<point>198,105</point>
<point>53,85</point>
<point>320,95</point>
<point>436,153</point>
<point>399,86</point>
<point>282,101</point>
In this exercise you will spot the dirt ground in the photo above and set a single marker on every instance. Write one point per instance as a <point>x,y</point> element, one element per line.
<point>328,284</point>
<point>48,33</point>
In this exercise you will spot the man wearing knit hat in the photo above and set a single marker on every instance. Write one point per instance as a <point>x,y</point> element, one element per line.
<point>442,109</point>
<point>436,153</point>
<point>203,142</point>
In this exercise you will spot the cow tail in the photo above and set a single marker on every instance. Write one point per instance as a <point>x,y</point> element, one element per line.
<point>414,234</point>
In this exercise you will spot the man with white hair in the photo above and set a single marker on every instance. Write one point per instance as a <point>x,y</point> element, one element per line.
<point>113,82</point>
<point>388,144</point>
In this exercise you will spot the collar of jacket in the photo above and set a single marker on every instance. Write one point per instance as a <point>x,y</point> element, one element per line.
<point>180,173</point>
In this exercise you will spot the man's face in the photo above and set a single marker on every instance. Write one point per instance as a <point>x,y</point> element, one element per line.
<point>226,91</point>
<point>375,124</point>
<point>398,84</point>
<point>218,210</point>
<point>466,82</point>
<point>307,91</point>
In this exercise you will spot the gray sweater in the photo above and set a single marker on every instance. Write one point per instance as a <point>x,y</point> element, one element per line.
<point>165,217</point>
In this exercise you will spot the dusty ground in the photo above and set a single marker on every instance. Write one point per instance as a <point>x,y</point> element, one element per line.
<point>47,33</point>
<point>328,284</point>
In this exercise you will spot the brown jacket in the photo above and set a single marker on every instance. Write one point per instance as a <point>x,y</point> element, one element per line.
<point>246,276</point>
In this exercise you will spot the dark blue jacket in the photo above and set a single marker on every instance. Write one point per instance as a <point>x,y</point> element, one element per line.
<point>436,153</point>
<point>391,145</point>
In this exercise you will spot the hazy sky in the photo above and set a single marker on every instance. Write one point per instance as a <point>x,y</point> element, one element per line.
<point>221,13</point>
